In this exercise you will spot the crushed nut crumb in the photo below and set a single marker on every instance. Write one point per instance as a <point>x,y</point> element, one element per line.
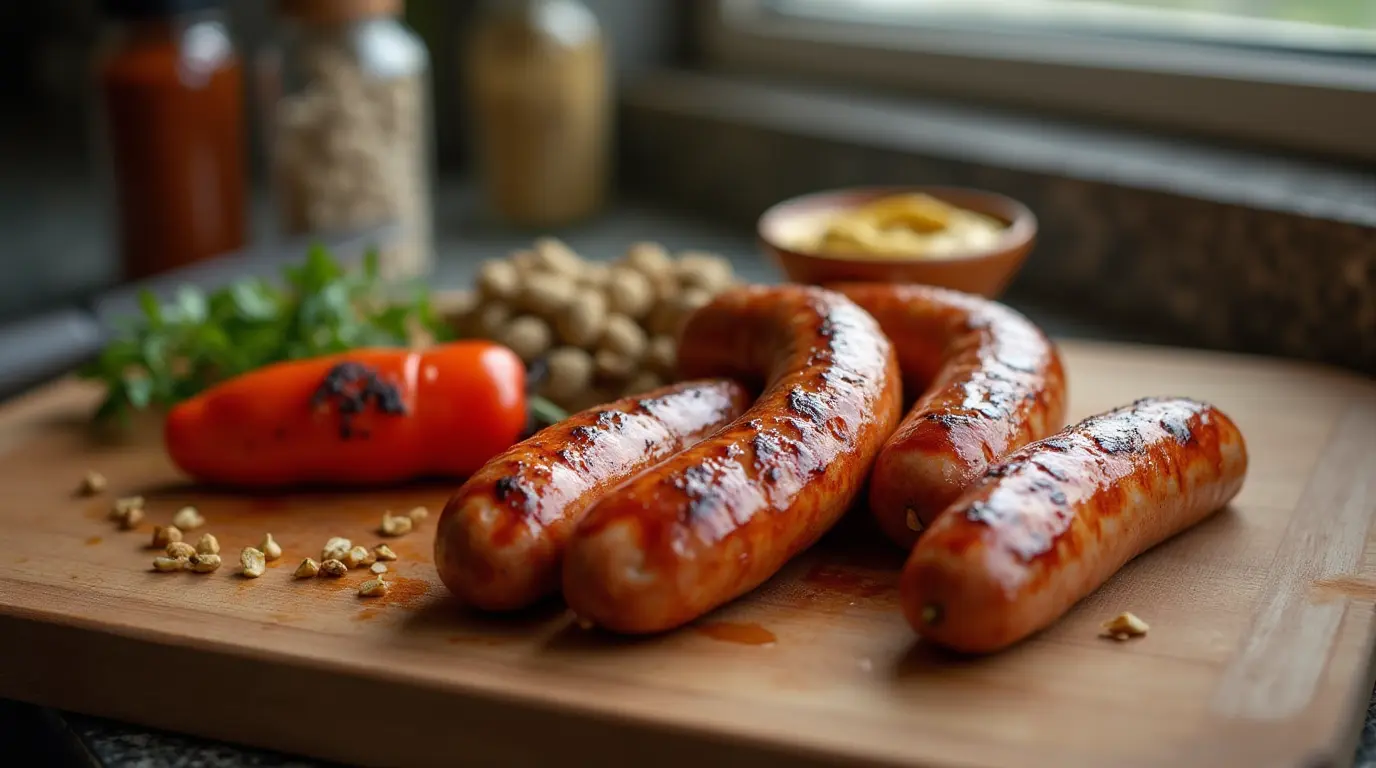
<point>204,563</point>
<point>373,588</point>
<point>307,569</point>
<point>1124,626</point>
<point>253,562</point>
<point>121,507</point>
<point>914,523</point>
<point>395,525</point>
<point>188,519</point>
<point>336,548</point>
<point>418,514</point>
<point>358,556</point>
<point>378,568</point>
<point>166,534</point>
<point>208,544</point>
<point>92,483</point>
<point>169,564</point>
<point>335,568</point>
<point>384,552</point>
<point>181,549</point>
<point>270,548</point>
<point>131,519</point>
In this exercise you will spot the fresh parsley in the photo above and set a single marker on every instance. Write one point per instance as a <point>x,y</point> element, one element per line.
<point>174,350</point>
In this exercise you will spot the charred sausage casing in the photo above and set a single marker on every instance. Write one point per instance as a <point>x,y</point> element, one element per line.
<point>1057,518</point>
<point>989,381</point>
<point>720,518</point>
<point>500,539</point>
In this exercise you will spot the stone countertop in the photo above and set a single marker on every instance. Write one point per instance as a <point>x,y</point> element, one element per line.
<point>464,238</point>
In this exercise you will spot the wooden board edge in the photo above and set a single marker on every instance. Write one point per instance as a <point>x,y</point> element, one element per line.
<point>424,725</point>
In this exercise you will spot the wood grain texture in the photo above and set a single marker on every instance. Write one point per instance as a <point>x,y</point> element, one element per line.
<point>1259,652</point>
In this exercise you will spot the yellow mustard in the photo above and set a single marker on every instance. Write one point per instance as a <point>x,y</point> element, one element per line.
<point>905,226</point>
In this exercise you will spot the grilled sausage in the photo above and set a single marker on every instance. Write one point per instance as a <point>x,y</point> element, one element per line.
<point>501,537</point>
<point>986,381</point>
<point>1057,518</point>
<point>720,518</point>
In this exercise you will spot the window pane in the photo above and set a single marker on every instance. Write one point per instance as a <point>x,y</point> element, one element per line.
<point>1334,26</point>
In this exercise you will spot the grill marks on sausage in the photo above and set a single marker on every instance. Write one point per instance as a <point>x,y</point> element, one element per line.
<point>807,404</point>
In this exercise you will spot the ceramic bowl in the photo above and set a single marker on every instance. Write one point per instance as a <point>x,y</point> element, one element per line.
<point>985,271</point>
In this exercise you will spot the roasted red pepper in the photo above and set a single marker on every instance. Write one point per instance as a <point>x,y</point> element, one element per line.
<point>369,416</point>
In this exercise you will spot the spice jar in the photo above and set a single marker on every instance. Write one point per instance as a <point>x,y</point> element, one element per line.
<point>348,126</point>
<point>170,106</point>
<point>537,81</point>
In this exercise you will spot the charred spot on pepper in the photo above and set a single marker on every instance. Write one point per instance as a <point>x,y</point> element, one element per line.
<point>352,387</point>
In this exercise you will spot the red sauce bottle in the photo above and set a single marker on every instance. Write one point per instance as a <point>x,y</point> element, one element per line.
<point>170,88</point>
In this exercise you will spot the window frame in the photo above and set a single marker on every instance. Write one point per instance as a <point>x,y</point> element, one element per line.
<point>1301,101</point>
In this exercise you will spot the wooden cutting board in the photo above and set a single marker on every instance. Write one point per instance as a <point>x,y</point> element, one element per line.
<point>1259,652</point>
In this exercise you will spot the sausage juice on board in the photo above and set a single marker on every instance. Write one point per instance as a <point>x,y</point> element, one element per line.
<point>987,381</point>
<point>1054,520</point>
<point>500,539</point>
<point>718,519</point>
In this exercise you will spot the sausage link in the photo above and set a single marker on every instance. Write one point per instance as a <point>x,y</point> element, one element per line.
<point>1057,518</point>
<point>986,381</point>
<point>501,537</point>
<point>717,520</point>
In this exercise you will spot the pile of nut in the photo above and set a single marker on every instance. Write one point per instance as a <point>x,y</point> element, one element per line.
<point>603,330</point>
<point>337,558</point>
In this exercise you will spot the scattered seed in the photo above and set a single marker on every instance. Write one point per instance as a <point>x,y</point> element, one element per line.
<point>307,569</point>
<point>335,568</point>
<point>418,514</point>
<point>204,563</point>
<point>270,548</point>
<point>378,568</point>
<point>358,556</point>
<point>121,507</point>
<point>208,544</point>
<point>395,525</point>
<point>336,548</point>
<point>131,519</point>
<point>188,519</point>
<point>169,564</point>
<point>373,588</point>
<point>181,549</point>
<point>93,483</point>
<point>166,534</point>
<point>384,552</point>
<point>1124,626</point>
<point>253,562</point>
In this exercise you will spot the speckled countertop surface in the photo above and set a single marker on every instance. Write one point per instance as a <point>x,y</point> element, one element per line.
<point>45,737</point>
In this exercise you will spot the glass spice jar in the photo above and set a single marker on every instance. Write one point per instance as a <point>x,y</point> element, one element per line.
<point>169,88</point>
<point>539,91</point>
<point>348,127</point>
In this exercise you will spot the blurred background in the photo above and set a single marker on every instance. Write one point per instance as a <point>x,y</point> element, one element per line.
<point>148,135</point>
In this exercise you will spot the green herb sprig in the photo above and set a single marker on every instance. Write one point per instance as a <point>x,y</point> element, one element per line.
<point>175,350</point>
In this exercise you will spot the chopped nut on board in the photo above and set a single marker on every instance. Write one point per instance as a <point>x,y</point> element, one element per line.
<point>166,534</point>
<point>188,519</point>
<point>92,484</point>
<point>208,545</point>
<point>270,548</point>
<point>253,562</point>
<point>163,564</point>
<point>201,563</point>
<point>182,549</point>
<point>335,568</point>
<point>395,525</point>
<point>384,552</point>
<point>336,548</point>
<point>373,588</point>
<point>307,569</point>
<point>1123,626</point>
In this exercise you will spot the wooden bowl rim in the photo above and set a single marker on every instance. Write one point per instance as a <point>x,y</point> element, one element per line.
<point>1018,235</point>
